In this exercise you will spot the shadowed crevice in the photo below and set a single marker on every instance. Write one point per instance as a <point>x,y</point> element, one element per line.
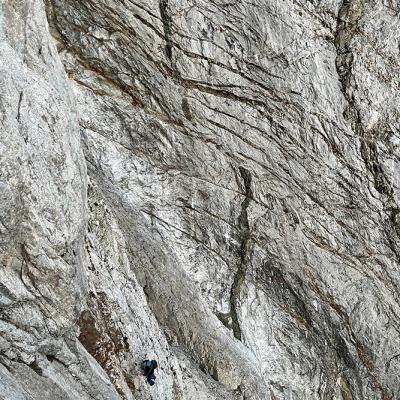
<point>245,242</point>
<point>167,24</point>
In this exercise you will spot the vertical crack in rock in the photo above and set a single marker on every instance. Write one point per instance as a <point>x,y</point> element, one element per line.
<point>167,24</point>
<point>245,241</point>
<point>19,107</point>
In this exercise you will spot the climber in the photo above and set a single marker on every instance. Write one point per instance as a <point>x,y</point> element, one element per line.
<point>149,367</point>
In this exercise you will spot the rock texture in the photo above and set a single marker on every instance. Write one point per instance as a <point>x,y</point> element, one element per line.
<point>212,182</point>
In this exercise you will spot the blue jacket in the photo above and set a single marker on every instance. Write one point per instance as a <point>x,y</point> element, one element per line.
<point>149,372</point>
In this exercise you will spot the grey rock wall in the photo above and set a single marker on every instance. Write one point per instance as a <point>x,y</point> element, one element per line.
<point>212,182</point>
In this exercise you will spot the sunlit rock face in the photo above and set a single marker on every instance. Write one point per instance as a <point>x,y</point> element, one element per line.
<point>214,183</point>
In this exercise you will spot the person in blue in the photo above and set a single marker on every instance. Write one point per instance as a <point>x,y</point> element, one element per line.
<point>149,367</point>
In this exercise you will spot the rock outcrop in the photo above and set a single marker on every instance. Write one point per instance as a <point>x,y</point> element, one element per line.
<point>212,182</point>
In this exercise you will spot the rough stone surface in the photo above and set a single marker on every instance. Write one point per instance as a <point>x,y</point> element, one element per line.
<point>216,183</point>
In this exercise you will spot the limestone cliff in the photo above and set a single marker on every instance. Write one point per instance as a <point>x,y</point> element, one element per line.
<point>213,182</point>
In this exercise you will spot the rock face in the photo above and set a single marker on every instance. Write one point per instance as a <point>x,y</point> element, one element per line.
<point>216,183</point>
